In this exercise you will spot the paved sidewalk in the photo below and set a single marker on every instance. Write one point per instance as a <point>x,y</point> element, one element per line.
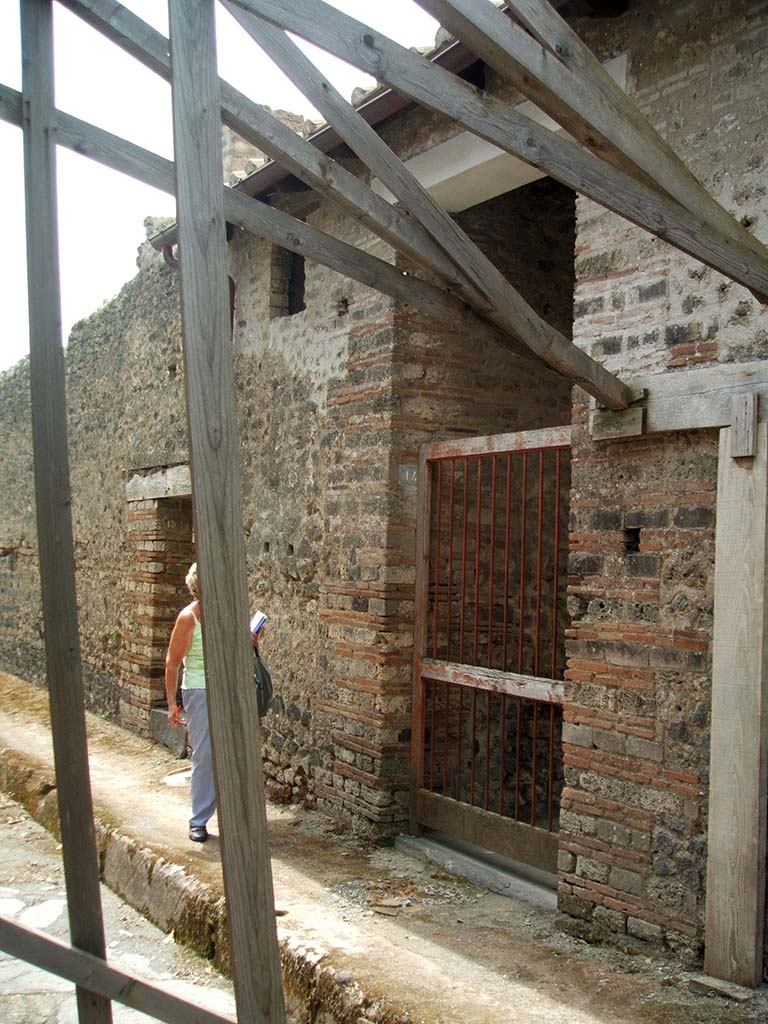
<point>371,936</point>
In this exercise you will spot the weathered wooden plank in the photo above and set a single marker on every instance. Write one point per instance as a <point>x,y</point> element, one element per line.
<point>632,133</point>
<point>547,437</point>
<point>522,60</point>
<point>738,785</point>
<point>689,399</point>
<point>216,497</point>
<point>605,425</point>
<point>508,309</point>
<point>421,599</point>
<point>250,120</point>
<point>744,426</point>
<point>93,974</point>
<point>534,846</point>
<point>280,227</point>
<point>52,498</point>
<point>495,121</point>
<point>515,684</point>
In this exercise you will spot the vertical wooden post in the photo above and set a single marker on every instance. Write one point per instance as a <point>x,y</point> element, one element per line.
<point>52,497</point>
<point>214,450</point>
<point>421,611</point>
<point>738,788</point>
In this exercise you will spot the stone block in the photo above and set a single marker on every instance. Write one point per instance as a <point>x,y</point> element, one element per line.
<point>566,862</point>
<point>645,930</point>
<point>627,881</point>
<point>648,750</point>
<point>578,735</point>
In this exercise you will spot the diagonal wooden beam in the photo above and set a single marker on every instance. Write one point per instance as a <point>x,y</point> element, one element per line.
<point>92,973</point>
<point>277,226</point>
<point>324,175</point>
<point>503,45</point>
<point>510,311</point>
<point>495,121</point>
<point>596,97</point>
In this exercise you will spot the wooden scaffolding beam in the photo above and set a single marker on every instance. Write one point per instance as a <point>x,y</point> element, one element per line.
<point>279,227</point>
<point>507,307</point>
<point>52,498</point>
<point>216,501</point>
<point>496,122</point>
<point>548,61</point>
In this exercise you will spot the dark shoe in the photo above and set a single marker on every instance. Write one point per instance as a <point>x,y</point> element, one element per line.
<point>198,833</point>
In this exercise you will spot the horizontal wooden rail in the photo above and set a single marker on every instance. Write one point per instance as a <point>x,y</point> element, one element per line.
<point>277,226</point>
<point>489,831</point>
<point>94,974</point>
<point>524,440</point>
<point>514,684</point>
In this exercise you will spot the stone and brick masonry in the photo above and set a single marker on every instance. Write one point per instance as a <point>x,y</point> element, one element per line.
<point>334,401</point>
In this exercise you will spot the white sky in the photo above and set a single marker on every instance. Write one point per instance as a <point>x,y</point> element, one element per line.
<point>101,212</point>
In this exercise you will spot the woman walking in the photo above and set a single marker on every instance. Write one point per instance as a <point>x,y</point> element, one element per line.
<point>186,648</point>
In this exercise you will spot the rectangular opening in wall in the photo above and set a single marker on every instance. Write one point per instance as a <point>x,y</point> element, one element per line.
<point>286,283</point>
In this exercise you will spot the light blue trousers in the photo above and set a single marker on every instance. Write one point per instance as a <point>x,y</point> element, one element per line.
<point>203,791</point>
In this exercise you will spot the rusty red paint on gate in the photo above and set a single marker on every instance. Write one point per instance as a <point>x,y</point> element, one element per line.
<point>497,578</point>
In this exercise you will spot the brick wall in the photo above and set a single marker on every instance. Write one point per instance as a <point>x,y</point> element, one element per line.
<point>636,738</point>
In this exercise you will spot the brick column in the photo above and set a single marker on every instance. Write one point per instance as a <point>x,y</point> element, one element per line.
<point>160,538</point>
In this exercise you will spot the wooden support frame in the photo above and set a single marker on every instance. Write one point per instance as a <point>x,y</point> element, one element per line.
<point>508,309</point>
<point>52,497</point>
<point>548,61</point>
<point>696,399</point>
<point>327,177</point>
<point>486,289</point>
<point>269,222</point>
<point>216,499</point>
<point>738,785</point>
<point>94,975</point>
<point>496,122</point>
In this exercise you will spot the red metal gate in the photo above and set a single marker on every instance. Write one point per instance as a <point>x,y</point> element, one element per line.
<point>490,619</point>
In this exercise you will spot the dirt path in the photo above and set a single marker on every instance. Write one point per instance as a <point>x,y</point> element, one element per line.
<point>421,946</point>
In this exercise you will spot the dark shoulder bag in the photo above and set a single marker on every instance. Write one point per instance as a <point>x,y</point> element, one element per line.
<point>262,680</point>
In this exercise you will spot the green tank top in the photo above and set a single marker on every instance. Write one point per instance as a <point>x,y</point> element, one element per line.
<point>194,665</point>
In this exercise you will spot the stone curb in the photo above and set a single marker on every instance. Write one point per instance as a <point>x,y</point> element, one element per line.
<point>194,912</point>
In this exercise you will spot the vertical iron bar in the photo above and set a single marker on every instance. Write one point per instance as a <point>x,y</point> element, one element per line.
<point>450,559</point>
<point>438,528</point>
<point>458,743</point>
<point>491,561</point>
<point>551,764</point>
<point>506,563</point>
<point>478,538</point>
<point>539,547</point>
<point>487,746</point>
<point>533,760</point>
<point>420,637</point>
<point>556,569</point>
<point>463,603</point>
<point>502,750</point>
<point>523,501</point>
<point>517,757</point>
<point>474,737</point>
<point>433,690</point>
<point>446,718</point>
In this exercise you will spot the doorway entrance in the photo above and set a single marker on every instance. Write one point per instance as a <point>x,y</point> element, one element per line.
<point>490,623</point>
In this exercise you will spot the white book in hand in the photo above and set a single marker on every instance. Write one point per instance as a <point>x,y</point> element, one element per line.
<point>257,621</point>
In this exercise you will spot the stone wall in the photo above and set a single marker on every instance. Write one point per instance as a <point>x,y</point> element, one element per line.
<point>124,398</point>
<point>636,739</point>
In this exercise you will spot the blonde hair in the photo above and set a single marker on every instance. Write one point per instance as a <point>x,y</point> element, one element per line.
<point>191,580</point>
